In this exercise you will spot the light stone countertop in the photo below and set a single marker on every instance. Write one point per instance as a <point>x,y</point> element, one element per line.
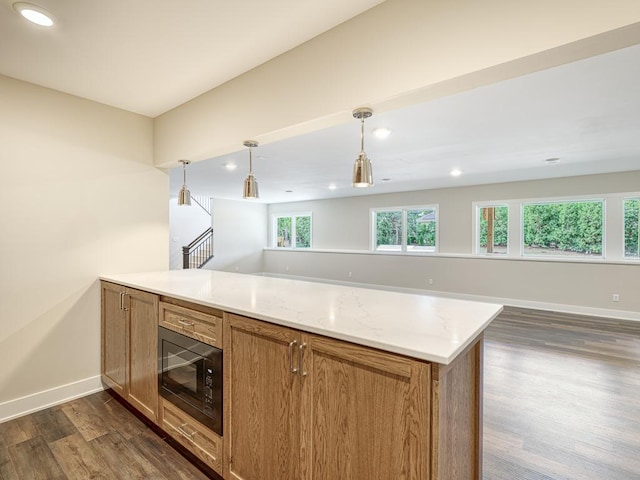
<point>430,328</point>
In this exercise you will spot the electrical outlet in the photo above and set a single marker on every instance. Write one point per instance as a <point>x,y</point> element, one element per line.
<point>350,274</point>
<point>615,297</point>
<point>431,281</point>
<point>287,268</point>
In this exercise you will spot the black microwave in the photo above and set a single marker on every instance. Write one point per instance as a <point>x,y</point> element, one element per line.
<point>190,377</point>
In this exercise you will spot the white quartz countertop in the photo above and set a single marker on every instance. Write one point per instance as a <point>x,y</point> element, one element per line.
<point>430,328</point>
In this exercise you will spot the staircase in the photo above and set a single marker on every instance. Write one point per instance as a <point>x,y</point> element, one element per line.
<point>200,250</point>
<point>203,202</point>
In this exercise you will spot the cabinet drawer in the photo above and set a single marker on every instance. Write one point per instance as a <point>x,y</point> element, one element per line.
<point>197,438</point>
<point>203,327</point>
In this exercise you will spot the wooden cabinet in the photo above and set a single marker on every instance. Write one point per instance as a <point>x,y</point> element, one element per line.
<point>197,438</point>
<point>114,339</point>
<point>365,413</point>
<point>301,406</point>
<point>129,346</point>
<point>261,401</point>
<point>456,416</point>
<point>206,328</point>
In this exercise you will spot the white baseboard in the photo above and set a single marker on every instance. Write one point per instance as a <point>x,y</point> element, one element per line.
<point>48,398</point>
<point>511,302</point>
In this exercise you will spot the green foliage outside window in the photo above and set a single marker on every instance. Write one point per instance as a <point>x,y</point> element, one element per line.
<point>419,229</point>
<point>303,232</point>
<point>421,232</point>
<point>631,232</point>
<point>500,229</point>
<point>389,229</point>
<point>293,228</point>
<point>284,232</point>
<point>565,228</point>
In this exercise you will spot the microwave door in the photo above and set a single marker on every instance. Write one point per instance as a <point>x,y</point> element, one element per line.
<point>182,373</point>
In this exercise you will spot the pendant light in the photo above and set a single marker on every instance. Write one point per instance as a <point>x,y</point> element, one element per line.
<point>250,183</point>
<point>362,171</point>
<point>184,196</point>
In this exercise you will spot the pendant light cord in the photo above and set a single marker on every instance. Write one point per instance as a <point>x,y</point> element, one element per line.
<point>362,134</point>
<point>251,160</point>
<point>184,174</point>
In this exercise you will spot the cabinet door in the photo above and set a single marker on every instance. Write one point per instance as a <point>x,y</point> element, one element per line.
<point>142,310</point>
<point>114,338</point>
<point>261,401</point>
<point>364,413</point>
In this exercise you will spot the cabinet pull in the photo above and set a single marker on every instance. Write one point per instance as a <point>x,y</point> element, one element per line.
<point>292,369</point>
<point>185,433</point>
<point>121,300</point>
<point>185,323</point>
<point>124,301</point>
<point>302,371</point>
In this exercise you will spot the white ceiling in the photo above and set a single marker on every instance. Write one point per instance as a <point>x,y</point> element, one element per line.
<point>586,113</point>
<point>149,56</point>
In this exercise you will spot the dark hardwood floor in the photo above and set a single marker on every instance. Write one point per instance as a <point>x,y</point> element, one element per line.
<point>561,401</point>
<point>93,437</point>
<point>561,397</point>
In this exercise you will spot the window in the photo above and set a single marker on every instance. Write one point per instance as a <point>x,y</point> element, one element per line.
<point>569,228</point>
<point>631,231</point>
<point>411,229</point>
<point>389,231</point>
<point>292,231</point>
<point>493,229</point>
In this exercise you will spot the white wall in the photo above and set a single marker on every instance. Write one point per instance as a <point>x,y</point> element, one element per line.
<point>343,224</point>
<point>185,224</point>
<point>239,235</point>
<point>399,53</point>
<point>80,197</point>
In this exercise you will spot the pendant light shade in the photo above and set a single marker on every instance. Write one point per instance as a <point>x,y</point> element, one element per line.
<point>362,170</point>
<point>184,196</point>
<point>250,183</point>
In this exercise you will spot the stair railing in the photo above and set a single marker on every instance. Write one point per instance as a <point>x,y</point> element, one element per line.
<point>198,252</point>
<point>203,202</point>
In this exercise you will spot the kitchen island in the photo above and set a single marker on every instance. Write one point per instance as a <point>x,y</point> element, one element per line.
<point>332,381</point>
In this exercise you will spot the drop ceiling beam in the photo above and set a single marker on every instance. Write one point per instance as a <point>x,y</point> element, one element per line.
<point>398,53</point>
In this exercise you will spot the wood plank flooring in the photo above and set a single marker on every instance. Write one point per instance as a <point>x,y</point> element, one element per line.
<point>93,437</point>
<point>561,397</point>
<point>561,402</point>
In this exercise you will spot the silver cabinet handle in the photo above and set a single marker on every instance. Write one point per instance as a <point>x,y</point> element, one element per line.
<point>302,371</point>
<point>121,300</point>
<point>292,369</point>
<point>185,433</point>
<point>185,323</point>
<point>124,301</point>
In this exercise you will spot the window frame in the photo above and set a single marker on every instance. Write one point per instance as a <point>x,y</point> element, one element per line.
<point>274,228</point>
<point>477,206</point>
<point>613,241</point>
<point>403,245</point>
<point>572,199</point>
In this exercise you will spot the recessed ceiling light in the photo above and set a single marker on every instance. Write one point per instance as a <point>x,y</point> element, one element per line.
<point>34,14</point>
<point>552,161</point>
<point>288,191</point>
<point>230,166</point>
<point>332,186</point>
<point>385,180</point>
<point>381,132</point>
<point>456,172</point>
